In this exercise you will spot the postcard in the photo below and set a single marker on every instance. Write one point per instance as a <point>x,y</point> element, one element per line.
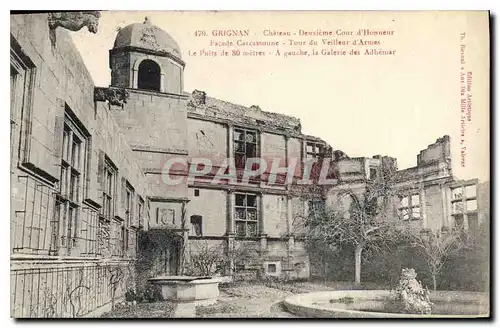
<point>250,164</point>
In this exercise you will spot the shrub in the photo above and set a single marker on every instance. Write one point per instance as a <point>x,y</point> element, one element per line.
<point>130,295</point>
<point>152,293</point>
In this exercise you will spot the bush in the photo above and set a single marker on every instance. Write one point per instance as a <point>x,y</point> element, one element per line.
<point>130,295</point>
<point>152,293</point>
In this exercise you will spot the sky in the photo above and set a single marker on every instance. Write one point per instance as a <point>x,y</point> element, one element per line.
<point>363,105</point>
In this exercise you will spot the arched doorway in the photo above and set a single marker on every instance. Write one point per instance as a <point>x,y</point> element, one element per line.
<point>149,76</point>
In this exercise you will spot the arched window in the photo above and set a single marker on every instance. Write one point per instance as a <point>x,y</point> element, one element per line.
<point>149,76</point>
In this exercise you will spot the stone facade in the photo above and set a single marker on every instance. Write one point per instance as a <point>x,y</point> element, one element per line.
<point>65,246</point>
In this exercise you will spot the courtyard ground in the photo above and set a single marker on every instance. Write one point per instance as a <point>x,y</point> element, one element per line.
<point>238,300</point>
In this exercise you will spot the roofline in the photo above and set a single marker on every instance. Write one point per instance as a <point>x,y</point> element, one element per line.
<point>148,52</point>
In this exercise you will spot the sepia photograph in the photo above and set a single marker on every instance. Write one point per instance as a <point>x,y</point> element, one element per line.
<point>250,164</point>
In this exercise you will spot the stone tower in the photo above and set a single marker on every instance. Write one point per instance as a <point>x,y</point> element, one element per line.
<point>148,58</point>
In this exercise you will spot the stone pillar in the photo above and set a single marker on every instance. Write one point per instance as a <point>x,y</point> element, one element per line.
<point>444,205</point>
<point>449,216</point>
<point>184,260</point>
<point>263,243</point>
<point>262,229</point>
<point>423,207</point>
<point>287,160</point>
<point>230,212</point>
<point>230,141</point>
<point>133,83</point>
<point>162,81</point>
<point>289,215</point>
<point>291,242</point>
<point>230,250</point>
<point>287,139</point>
<point>260,146</point>
<point>466,220</point>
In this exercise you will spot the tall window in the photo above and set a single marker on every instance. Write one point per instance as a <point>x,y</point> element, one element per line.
<point>409,207</point>
<point>108,184</point>
<point>107,233</point>
<point>129,197</point>
<point>140,212</point>
<point>149,76</point>
<point>245,146</point>
<point>72,176</point>
<point>22,79</point>
<point>246,214</point>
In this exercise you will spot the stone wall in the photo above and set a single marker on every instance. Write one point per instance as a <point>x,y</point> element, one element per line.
<point>46,264</point>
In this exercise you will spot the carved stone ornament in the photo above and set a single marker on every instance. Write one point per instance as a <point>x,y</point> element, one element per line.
<point>148,36</point>
<point>115,96</point>
<point>75,21</point>
<point>199,97</point>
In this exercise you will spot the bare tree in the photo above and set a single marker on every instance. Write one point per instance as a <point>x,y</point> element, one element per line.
<point>435,247</point>
<point>363,219</point>
<point>204,261</point>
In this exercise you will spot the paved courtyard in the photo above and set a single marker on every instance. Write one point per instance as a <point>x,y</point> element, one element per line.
<point>240,300</point>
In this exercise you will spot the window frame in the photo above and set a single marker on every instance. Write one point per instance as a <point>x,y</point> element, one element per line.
<point>129,193</point>
<point>237,153</point>
<point>72,181</point>
<point>240,208</point>
<point>407,213</point>
<point>459,206</point>
<point>316,151</point>
<point>109,176</point>
<point>144,76</point>
<point>22,107</point>
<point>140,212</point>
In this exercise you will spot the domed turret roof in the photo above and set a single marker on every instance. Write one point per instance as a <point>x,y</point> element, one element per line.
<point>147,36</point>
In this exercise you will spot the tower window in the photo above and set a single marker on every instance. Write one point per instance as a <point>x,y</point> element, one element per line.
<point>149,76</point>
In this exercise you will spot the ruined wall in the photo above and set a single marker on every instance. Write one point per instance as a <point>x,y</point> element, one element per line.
<point>295,146</point>
<point>438,151</point>
<point>484,202</point>
<point>273,148</point>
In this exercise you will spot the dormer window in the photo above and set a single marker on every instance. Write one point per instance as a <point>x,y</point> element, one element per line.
<point>149,77</point>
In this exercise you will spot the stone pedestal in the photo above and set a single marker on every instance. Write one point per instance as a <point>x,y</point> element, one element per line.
<point>184,310</point>
<point>188,292</point>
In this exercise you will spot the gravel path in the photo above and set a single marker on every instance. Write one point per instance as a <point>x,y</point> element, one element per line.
<point>247,302</point>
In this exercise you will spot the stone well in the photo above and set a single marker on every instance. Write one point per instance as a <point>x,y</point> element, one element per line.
<point>186,292</point>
